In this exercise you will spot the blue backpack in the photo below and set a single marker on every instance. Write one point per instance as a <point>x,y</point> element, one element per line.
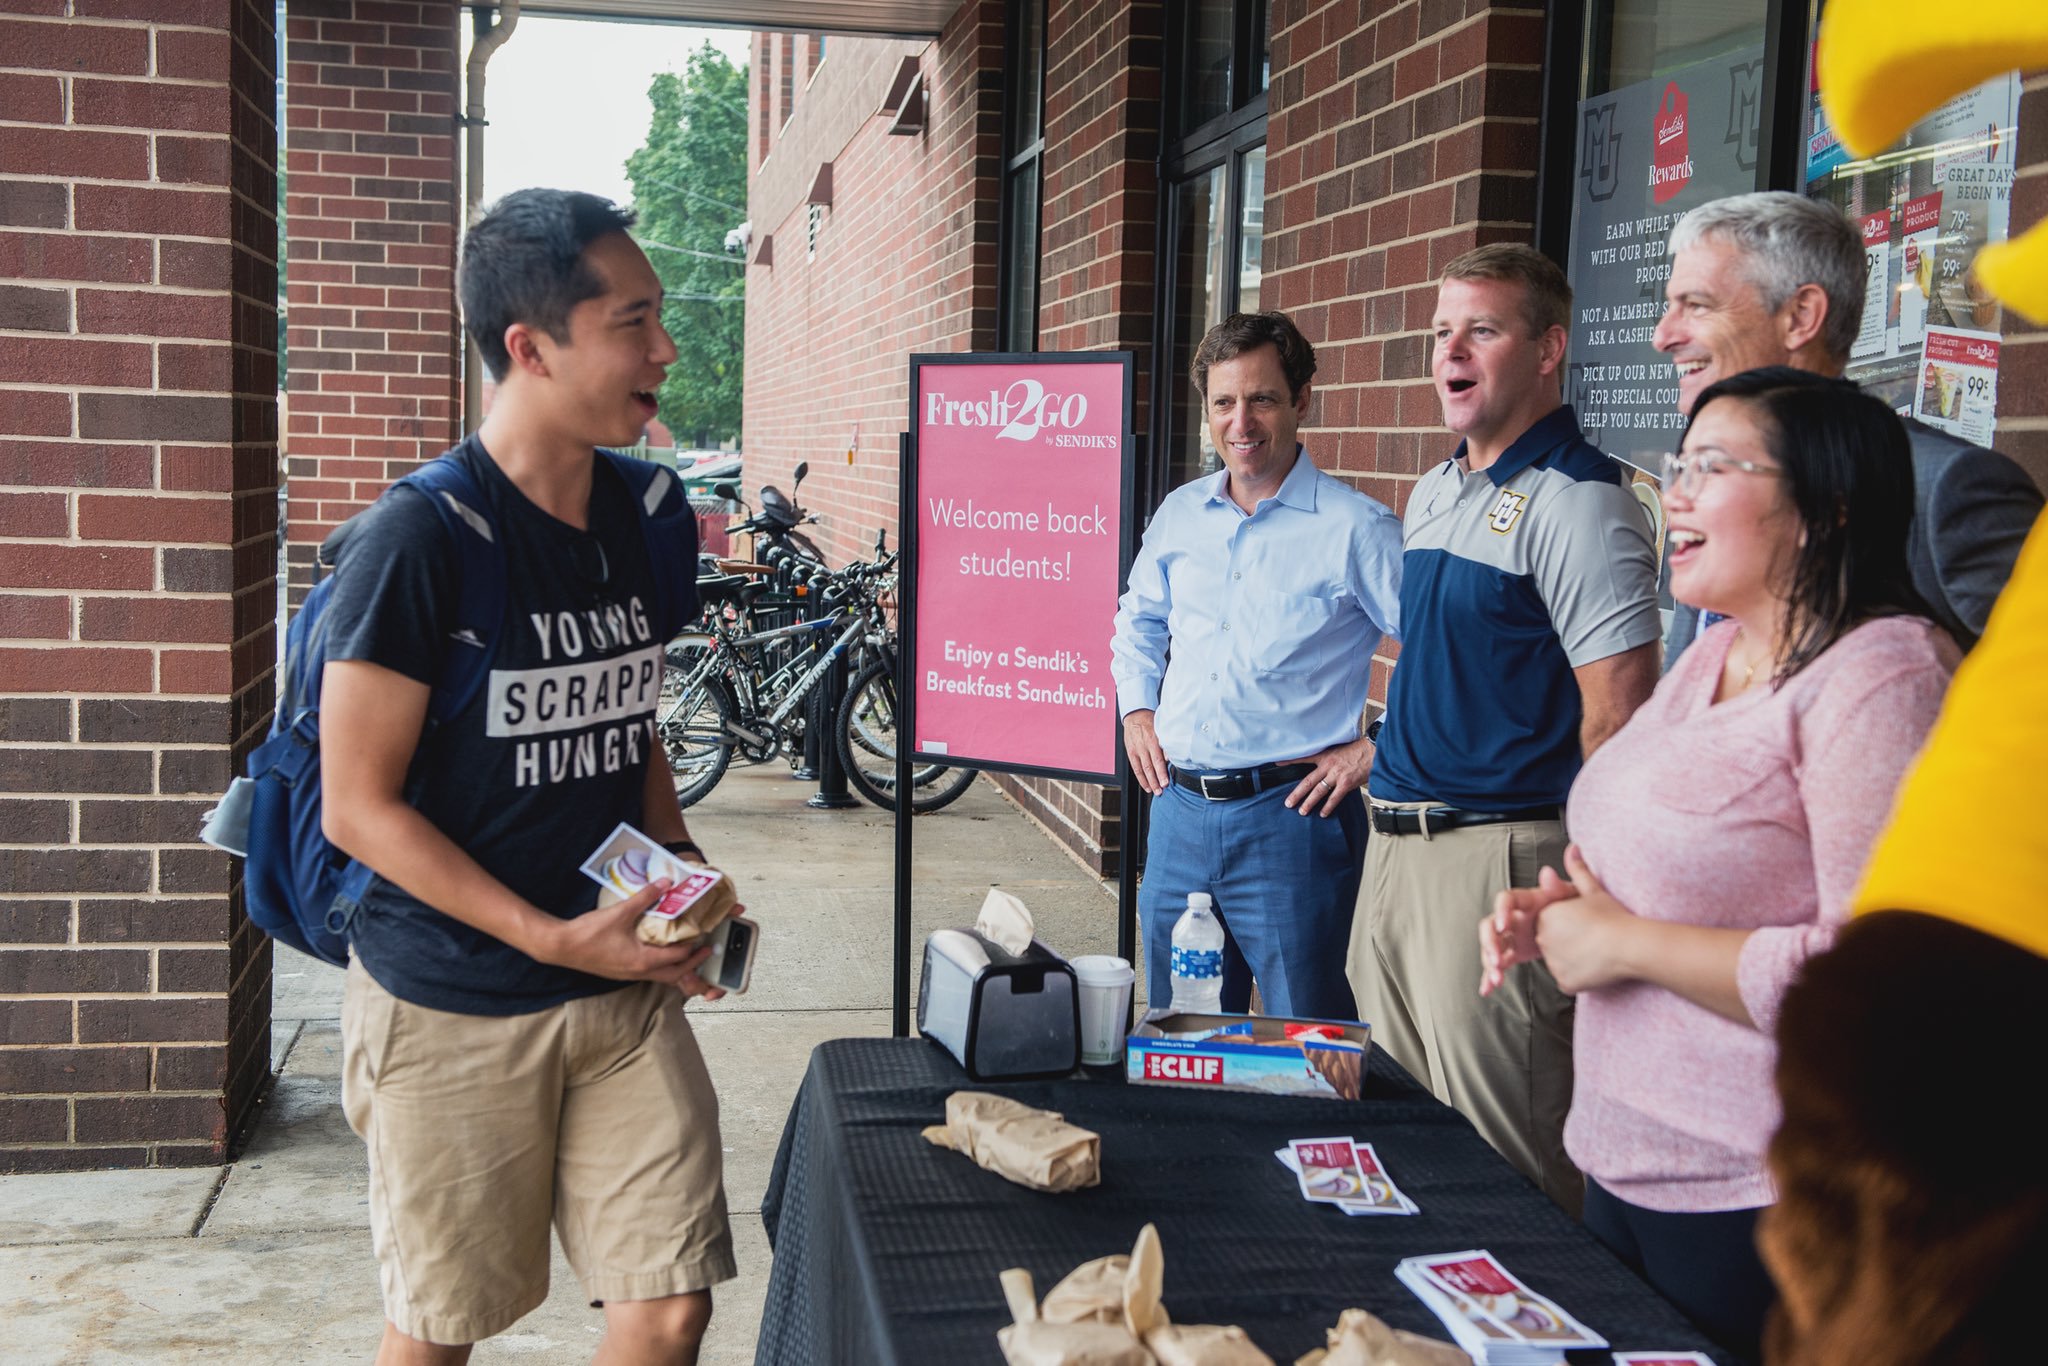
<point>300,889</point>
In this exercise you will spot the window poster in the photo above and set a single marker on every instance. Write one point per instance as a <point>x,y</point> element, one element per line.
<point>1928,344</point>
<point>1958,388</point>
<point>1648,154</point>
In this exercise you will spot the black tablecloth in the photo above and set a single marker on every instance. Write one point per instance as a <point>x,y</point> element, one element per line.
<point>887,1249</point>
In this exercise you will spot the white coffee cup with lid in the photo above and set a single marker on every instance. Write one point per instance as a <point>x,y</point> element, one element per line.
<point>1105,982</point>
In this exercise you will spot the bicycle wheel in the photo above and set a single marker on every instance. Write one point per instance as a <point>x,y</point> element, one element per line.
<point>866,738</point>
<point>872,730</point>
<point>692,719</point>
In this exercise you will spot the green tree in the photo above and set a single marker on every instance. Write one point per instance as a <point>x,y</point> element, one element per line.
<point>690,188</point>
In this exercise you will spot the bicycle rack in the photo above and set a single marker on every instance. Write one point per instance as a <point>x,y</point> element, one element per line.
<point>820,754</point>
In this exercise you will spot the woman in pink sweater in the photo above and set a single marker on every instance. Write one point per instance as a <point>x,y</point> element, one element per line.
<point>1721,831</point>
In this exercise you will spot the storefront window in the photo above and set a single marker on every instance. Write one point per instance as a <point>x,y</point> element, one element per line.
<point>1023,148</point>
<point>1198,205</point>
<point>1668,118</point>
<point>1206,92</point>
<point>1252,234</point>
<point>1214,211</point>
<point>1930,339</point>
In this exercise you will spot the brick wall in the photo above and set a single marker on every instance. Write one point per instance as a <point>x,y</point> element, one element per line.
<point>905,263</point>
<point>1396,139</point>
<point>137,558</point>
<point>1096,287</point>
<point>373,365</point>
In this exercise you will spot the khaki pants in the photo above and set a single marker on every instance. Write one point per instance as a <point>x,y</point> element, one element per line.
<point>1505,1060</point>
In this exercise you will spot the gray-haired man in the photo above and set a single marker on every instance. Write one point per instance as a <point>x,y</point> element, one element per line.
<point>1778,279</point>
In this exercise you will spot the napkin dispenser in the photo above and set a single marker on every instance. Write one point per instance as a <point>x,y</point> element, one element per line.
<point>999,1014</point>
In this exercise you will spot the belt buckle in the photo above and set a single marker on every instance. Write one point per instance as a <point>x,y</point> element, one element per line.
<point>1203,780</point>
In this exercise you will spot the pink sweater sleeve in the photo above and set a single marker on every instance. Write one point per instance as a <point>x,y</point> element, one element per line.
<point>1860,735</point>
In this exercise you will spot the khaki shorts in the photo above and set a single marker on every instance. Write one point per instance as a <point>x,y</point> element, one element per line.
<point>596,1115</point>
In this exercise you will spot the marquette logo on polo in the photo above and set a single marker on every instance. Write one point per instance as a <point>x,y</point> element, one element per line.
<point>1019,413</point>
<point>1507,511</point>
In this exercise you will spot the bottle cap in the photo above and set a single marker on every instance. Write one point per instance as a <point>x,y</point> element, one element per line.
<point>1201,899</point>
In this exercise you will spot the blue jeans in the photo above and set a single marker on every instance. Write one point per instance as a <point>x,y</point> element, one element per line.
<point>1284,886</point>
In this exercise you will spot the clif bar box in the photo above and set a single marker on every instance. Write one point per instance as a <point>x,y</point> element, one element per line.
<point>1272,1055</point>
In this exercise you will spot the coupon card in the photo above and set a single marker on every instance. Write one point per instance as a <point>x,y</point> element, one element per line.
<point>1474,1329</point>
<point>1477,1278</point>
<point>1380,1195</point>
<point>628,860</point>
<point>1328,1169</point>
<point>1662,1359</point>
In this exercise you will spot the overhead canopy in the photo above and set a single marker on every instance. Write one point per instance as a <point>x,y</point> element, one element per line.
<point>870,18</point>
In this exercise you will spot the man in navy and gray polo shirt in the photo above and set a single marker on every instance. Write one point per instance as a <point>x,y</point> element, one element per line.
<point>1529,608</point>
<point>1272,584</point>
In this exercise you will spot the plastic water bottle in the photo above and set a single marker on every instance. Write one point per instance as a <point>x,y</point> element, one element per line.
<point>1197,962</point>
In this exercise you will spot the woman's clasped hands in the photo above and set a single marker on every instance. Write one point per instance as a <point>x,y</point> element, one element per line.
<point>1573,926</point>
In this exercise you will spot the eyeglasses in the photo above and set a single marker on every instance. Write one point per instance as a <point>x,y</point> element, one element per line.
<point>1687,474</point>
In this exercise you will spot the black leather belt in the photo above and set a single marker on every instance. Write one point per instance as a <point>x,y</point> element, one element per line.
<point>1387,820</point>
<point>1231,783</point>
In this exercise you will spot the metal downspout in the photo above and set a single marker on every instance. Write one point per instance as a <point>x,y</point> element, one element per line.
<point>489,38</point>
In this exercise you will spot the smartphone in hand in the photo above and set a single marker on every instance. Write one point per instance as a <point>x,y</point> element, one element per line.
<point>731,964</point>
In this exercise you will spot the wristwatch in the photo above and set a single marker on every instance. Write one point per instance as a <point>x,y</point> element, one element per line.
<point>1372,728</point>
<point>685,849</point>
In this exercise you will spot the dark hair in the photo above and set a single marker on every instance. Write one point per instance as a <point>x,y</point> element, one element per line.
<point>1242,332</point>
<point>1849,474</point>
<point>1546,293</point>
<point>1912,1220</point>
<point>523,263</point>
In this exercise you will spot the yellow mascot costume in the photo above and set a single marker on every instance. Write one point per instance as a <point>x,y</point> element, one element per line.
<point>1912,1221</point>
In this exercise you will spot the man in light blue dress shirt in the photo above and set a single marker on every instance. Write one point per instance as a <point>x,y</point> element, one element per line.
<point>1242,654</point>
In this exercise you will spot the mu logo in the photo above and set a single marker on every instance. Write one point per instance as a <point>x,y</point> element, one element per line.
<point>1600,154</point>
<point>1745,110</point>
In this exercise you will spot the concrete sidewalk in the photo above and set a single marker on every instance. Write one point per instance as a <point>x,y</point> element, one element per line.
<point>268,1260</point>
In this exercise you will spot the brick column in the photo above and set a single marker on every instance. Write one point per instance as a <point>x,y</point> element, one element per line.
<point>373,371</point>
<point>138,498</point>
<point>1096,279</point>
<point>1396,139</point>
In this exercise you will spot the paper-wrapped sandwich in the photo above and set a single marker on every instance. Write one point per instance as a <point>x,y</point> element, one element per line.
<point>1107,1313</point>
<point>699,900</point>
<point>695,906</point>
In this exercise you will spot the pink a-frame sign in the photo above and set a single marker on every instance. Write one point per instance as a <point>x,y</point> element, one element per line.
<point>1016,509</point>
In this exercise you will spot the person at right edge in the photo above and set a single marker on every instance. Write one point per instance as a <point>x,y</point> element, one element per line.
<point>1719,834</point>
<point>1528,601</point>
<point>1775,278</point>
<point>1911,1227</point>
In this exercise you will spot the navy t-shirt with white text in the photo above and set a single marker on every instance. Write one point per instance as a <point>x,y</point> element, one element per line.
<point>552,752</point>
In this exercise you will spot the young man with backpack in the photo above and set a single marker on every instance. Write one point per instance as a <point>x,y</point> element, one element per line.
<point>511,1056</point>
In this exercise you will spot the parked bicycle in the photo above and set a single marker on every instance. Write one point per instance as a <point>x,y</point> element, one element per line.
<point>747,680</point>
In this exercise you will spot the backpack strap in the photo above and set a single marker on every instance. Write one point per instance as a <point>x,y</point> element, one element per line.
<point>480,571</point>
<point>669,525</point>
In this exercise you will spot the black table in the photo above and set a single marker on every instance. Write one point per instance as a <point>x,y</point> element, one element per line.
<point>887,1249</point>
